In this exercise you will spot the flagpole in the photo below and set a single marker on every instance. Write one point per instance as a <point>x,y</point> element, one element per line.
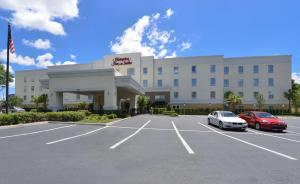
<point>7,67</point>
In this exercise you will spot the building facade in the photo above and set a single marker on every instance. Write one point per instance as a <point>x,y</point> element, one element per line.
<point>186,82</point>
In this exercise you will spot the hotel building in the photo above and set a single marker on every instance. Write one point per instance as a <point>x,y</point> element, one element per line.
<point>183,82</point>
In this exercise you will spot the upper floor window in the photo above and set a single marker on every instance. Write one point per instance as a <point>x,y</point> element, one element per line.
<point>194,69</point>
<point>159,71</point>
<point>176,70</point>
<point>226,83</point>
<point>176,94</point>
<point>241,94</point>
<point>194,94</point>
<point>25,89</point>
<point>32,88</point>
<point>175,82</point>
<point>212,68</point>
<point>130,71</point>
<point>255,69</point>
<point>194,82</point>
<point>255,82</point>
<point>240,69</point>
<point>212,81</point>
<point>159,83</point>
<point>270,95</point>
<point>145,83</point>
<point>145,71</point>
<point>270,68</point>
<point>270,82</point>
<point>25,98</point>
<point>241,83</point>
<point>77,97</point>
<point>25,79</point>
<point>226,70</point>
<point>32,80</point>
<point>212,95</point>
<point>255,93</point>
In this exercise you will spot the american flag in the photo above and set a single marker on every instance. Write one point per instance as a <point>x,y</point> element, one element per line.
<point>10,40</point>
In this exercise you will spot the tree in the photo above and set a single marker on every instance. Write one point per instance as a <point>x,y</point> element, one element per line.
<point>15,101</point>
<point>3,75</point>
<point>232,99</point>
<point>142,102</point>
<point>43,99</point>
<point>293,96</point>
<point>35,100</point>
<point>260,100</point>
<point>289,96</point>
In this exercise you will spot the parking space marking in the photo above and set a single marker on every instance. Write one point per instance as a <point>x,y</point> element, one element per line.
<point>36,132</point>
<point>127,138</point>
<point>251,144</point>
<point>256,132</point>
<point>73,137</point>
<point>185,144</point>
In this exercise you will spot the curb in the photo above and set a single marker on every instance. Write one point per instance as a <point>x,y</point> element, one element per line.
<point>99,124</point>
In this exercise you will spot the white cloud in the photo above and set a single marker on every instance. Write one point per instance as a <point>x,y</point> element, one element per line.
<point>44,60</point>
<point>146,37</point>
<point>173,55</point>
<point>72,56</point>
<point>38,44</point>
<point>169,13</point>
<point>66,63</point>
<point>42,15</point>
<point>17,59</point>
<point>296,77</point>
<point>185,45</point>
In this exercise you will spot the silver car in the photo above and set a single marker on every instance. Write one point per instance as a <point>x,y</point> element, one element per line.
<point>226,120</point>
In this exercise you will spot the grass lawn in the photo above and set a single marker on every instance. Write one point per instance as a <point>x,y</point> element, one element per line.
<point>98,121</point>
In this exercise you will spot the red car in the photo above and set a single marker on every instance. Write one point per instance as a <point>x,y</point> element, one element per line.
<point>263,120</point>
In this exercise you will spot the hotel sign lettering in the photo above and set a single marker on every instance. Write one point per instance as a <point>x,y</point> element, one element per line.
<point>121,61</point>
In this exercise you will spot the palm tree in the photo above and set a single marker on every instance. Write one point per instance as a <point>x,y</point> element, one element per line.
<point>232,99</point>
<point>260,100</point>
<point>142,102</point>
<point>35,100</point>
<point>43,99</point>
<point>289,96</point>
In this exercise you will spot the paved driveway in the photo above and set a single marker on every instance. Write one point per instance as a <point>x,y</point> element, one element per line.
<point>148,149</point>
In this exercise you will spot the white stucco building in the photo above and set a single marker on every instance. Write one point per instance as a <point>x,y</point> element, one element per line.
<point>190,82</point>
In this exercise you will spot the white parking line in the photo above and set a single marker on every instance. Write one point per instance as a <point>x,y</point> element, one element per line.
<point>73,137</point>
<point>251,144</point>
<point>292,140</point>
<point>187,147</point>
<point>36,132</point>
<point>127,138</point>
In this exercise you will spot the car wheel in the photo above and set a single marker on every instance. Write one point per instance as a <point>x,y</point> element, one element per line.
<point>208,121</point>
<point>221,125</point>
<point>257,126</point>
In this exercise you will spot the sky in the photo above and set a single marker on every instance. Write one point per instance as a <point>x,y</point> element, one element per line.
<point>55,32</point>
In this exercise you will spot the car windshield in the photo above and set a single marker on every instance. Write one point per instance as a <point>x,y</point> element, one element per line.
<point>265,115</point>
<point>227,114</point>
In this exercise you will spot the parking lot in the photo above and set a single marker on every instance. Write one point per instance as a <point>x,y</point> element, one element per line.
<point>149,149</point>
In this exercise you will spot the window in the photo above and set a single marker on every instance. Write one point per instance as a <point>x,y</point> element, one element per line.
<point>25,98</point>
<point>255,69</point>
<point>25,89</point>
<point>270,82</point>
<point>159,71</point>
<point>130,71</point>
<point>25,79</point>
<point>90,97</point>
<point>77,97</point>
<point>32,88</point>
<point>212,95</point>
<point>145,71</point>
<point>241,94</point>
<point>194,82</point>
<point>212,68</point>
<point>175,70</point>
<point>159,98</point>
<point>212,81</point>
<point>241,83</point>
<point>194,94</point>
<point>175,82</point>
<point>226,70</point>
<point>226,83</point>
<point>270,95</point>
<point>32,80</point>
<point>255,82</point>
<point>145,83</point>
<point>240,69</point>
<point>255,93</point>
<point>159,83</point>
<point>176,94</point>
<point>270,68</point>
<point>194,69</point>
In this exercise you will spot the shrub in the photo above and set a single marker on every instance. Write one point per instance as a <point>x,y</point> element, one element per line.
<point>170,113</point>
<point>104,117</point>
<point>86,112</point>
<point>112,116</point>
<point>65,116</point>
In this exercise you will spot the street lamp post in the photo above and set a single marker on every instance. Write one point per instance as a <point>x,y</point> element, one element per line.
<point>184,108</point>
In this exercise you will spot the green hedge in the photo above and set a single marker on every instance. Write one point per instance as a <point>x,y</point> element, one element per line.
<point>29,117</point>
<point>170,113</point>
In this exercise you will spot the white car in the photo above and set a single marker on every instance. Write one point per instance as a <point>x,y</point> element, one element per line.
<point>226,120</point>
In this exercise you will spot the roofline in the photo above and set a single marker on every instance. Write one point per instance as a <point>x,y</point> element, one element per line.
<point>270,56</point>
<point>31,70</point>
